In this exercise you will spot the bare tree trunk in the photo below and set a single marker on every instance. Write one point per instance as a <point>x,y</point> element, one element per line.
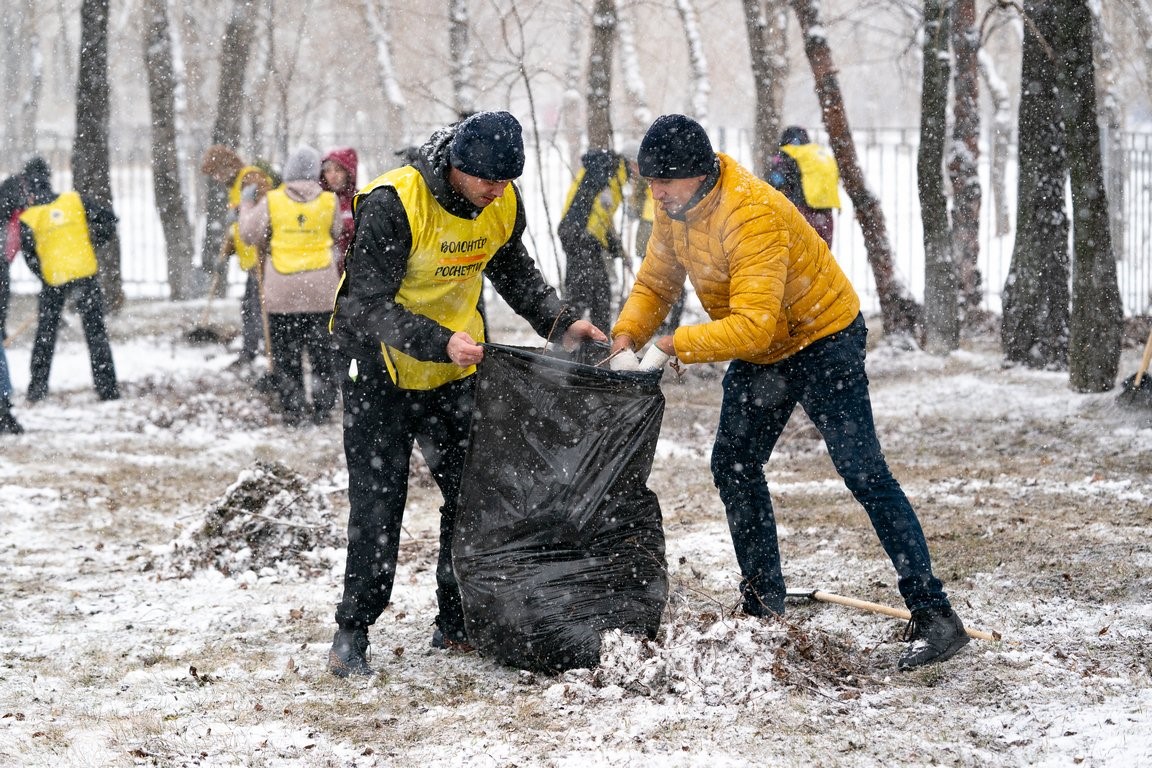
<point>697,61</point>
<point>169,196</point>
<point>962,165</point>
<point>22,85</point>
<point>460,51</point>
<point>1000,139</point>
<point>641,115</point>
<point>769,66</point>
<point>572,101</point>
<point>1097,311</point>
<point>1034,330</point>
<point>941,315</point>
<point>600,57</point>
<point>900,311</point>
<point>1112,142</point>
<point>376,15</point>
<point>91,172</point>
<point>230,101</point>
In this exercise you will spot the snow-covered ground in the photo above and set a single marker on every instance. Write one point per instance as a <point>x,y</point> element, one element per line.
<point>119,648</point>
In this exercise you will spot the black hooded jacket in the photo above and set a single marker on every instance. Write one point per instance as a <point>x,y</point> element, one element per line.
<point>367,313</point>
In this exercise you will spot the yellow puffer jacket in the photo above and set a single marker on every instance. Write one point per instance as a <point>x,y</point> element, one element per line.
<point>767,281</point>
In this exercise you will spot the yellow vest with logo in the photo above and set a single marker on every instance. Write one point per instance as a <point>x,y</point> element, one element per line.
<point>444,276</point>
<point>301,232</point>
<point>62,243</point>
<point>819,176</point>
<point>246,255</point>
<point>603,207</point>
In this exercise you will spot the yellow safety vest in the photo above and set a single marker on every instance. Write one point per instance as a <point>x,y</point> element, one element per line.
<point>600,220</point>
<point>444,276</point>
<point>62,242</point>
<point>301,232</point>
<point>819,176</point>
<point>246,255</point>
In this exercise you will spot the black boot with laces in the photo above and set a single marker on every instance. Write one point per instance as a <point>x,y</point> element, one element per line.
<point>349,654</point>
<point>935,635</point>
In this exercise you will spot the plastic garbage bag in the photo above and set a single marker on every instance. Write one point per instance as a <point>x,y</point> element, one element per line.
<point>558,536</point>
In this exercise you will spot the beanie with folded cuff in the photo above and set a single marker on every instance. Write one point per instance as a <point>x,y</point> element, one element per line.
<point>489,145</point>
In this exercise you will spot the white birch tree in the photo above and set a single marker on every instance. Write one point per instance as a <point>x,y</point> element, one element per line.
<point>396,106</point>
<point>701,86</point>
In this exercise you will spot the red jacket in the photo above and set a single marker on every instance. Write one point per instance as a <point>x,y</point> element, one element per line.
<point>346,158</point>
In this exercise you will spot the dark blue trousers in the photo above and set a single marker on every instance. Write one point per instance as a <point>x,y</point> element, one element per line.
<point>828,381</point>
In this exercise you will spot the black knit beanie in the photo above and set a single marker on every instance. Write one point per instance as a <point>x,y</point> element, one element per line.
<point>489,145</point>
<point>675,147</point>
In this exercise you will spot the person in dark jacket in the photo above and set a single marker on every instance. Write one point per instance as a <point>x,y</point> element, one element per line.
<point>807,175</point>
<point>409,336</point>
<point>59,235</point>
<point>588,235</point>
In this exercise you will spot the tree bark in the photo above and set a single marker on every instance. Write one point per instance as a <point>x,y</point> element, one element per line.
<point>768,53</point>
<point>24,79</point>
<point>91,173</point>
<point>641,114</point>
<point>697,61</point>
<point>170,203</point>
<point>962,165</point>
<point>1000,140</point>
<point>1097,311</point>
<point>460,52</point>
<point>230,101</point>
<point>901,313</point>
<point>600,57</point>
<point>1034,329</point>
<point>941,315</point>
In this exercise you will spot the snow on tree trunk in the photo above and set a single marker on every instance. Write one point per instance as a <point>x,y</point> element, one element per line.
<point>1097,311</point>
<point>900,311</point>
<point>600,57</point>
<point>23,81</point>
<point>1000,140</point>
<point>91,172</point>
<point>168,195</point>
<point>941,315</point>
<point>375,14</point>
<point>460,52</point>
<point>965,150</point>
<point>641,114</point>
<point>767,48</point>
<point>697,61</point>
<point>572,100</point>
<point>1034,329</point>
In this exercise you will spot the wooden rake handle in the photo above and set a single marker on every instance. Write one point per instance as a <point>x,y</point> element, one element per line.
<point>1144,361</point>
<point>887,610</point>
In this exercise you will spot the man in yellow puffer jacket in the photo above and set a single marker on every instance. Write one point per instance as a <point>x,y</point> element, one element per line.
<point>783,312</point>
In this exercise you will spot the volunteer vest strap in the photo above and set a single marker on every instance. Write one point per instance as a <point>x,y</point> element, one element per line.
<point>301,232</point>
<point>444,276</point>
<point>62,242</point>
<point>819,175</point>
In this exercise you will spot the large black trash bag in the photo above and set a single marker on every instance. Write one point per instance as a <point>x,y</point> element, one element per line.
<point>558,538</point>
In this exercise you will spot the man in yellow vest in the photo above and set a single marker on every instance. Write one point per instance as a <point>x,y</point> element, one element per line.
<point>588,234</point>
<point>59,235</point>
<point>784,316</point>
<point>807,175</point>
<point>224,166</point>
<point>409,336</point>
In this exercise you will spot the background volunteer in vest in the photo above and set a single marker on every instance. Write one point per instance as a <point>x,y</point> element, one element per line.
<point>59,235</point>
<point>782,311</point>
<point>295,227</point>
<point>807,175</point>
<point>409,336</point>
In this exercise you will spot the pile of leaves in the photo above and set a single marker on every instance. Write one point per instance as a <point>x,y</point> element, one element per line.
<point>270,521</point>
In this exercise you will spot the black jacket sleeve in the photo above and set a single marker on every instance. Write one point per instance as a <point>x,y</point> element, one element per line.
<point>102,221</point>
<point>367,313</point>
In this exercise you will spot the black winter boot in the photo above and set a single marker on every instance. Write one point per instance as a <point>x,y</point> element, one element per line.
<point>935,634</point>
<point>8,423</point>
<point>349,653</point>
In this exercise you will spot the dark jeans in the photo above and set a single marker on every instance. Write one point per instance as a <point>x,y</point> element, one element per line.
<point>90,303</point>
<point>828,380</point>
<point>251,319</point>
<point>292,336</point>
<point>381,423</point>
<point>587,287</point>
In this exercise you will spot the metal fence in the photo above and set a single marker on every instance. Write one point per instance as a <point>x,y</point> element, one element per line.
<point>888,158</point>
